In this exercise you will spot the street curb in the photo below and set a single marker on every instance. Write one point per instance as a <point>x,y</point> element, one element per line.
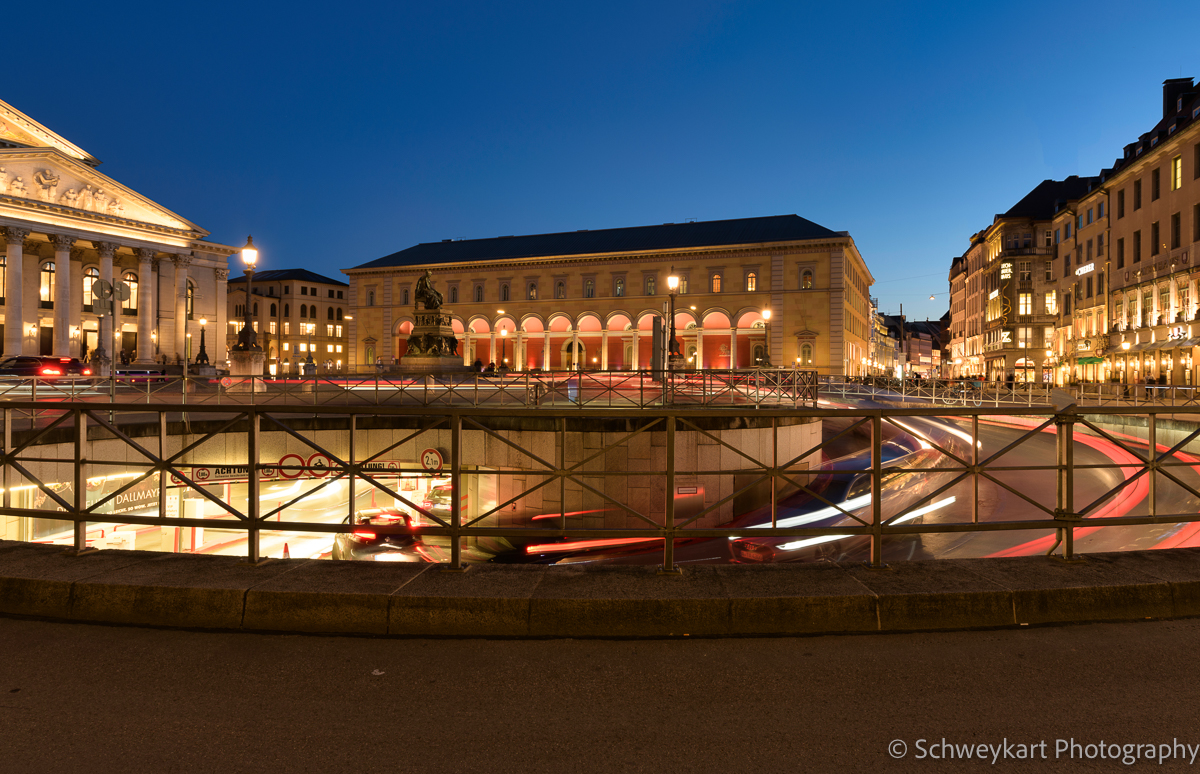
<point>537,601</point>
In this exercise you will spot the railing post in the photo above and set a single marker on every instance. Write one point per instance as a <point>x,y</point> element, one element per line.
<point>353,474</point>
<point>668,565</point>
<point>876,478</point>
<point>1152,462</point>
<point>455,494</point>
<point>1065,509</point>
<point>975,467</point>
<point>252,504</point>
<point>80,543</point>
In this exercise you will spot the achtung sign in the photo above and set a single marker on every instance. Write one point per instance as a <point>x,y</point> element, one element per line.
<point>290,466</point>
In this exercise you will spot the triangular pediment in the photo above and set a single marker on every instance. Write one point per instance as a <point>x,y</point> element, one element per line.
<point>44,179</point>
<point>18,128</point>
<point>806,334</point>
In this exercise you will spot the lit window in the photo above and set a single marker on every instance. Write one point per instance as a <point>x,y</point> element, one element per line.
<point>339,349</point>
<point>806,352</point>
<point>302,347</point>
<point>47,285</point>
<point>287,328</point>
<point>339,331</point>
<point>285,346</point>
<point>90,275</point>
<point>650,286</point>
<point>751,281</point>
<point>329,331</point>
<point>271,326</point>
<point>532,293</point>
<point>589,289</point>
<point>1051,302</point>
<point>619,287</point>
<point>329,349</point>
<point>716,283</point>
<point>1176,173</point>
<point>131,304</point>
<point>806,280</point>
<point>1024,303</point>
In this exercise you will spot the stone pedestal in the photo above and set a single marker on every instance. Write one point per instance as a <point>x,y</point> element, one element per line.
<point>242,367</point>
<point>432,345</point>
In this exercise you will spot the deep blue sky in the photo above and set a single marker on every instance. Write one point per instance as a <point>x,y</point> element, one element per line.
<point>339,133</point>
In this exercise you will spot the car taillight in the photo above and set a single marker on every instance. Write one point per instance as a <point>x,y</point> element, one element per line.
<point>87,372</point>
<point>49,371</point>
<point>363,534</point>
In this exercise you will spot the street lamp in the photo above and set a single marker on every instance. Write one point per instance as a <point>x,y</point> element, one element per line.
<point>766,313</point>
<point>672,345</point>
<point>247,338</point>
<point>504,348</point>
<point>202,356</point>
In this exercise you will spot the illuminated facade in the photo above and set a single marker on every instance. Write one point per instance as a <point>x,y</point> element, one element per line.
<point>1151,227</point>
<point>589,299</point>
<point>297,314</point>
<point>66,225</point>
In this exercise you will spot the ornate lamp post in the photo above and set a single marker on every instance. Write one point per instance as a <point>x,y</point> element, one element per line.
<point>202,356</point>
<point>247,338</point>
<point>766,313</point>
<point>673,356</point>
<point>503,349</point>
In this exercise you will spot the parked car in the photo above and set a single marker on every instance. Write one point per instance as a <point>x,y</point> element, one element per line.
<point>43,367</point>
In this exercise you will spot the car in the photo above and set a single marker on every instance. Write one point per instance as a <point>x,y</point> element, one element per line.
<point>371,540</point>
<point>43,367</point>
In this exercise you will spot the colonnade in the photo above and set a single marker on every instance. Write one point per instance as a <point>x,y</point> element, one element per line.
<point>23,290</point>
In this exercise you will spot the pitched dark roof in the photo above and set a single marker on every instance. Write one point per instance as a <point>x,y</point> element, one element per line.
<point>1039,203</point>
<point>777,228</point>
<point>286,275</point>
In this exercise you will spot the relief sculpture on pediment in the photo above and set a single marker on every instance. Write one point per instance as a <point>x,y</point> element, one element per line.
<point>47,184</point>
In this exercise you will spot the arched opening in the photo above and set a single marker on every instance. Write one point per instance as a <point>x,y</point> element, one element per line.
<point>130,305</point>
<point>46,285</point>
<point>90,275</point>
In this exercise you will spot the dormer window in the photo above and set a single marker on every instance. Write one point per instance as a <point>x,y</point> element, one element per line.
<point>1179,104</point>
<point>1153,141</point>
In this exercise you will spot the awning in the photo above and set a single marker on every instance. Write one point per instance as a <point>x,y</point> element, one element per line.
<point>1089,360</point>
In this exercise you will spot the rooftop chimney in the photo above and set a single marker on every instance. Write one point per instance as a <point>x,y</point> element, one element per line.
<point>1172,88</point>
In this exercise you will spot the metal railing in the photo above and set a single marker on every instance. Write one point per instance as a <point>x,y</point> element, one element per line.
<point>40,439</point>
<point>581,389</point>
<point>950,392</point>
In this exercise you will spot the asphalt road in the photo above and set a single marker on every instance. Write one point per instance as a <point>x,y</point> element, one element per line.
<point>82,698</point>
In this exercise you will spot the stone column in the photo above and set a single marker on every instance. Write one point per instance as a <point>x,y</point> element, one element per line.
<point>492,350</point>
<point>220,342</point>
<point>1174,296</point>
<point>14,321</point>
<point>466,347</point>
<point>106,347</point>
<point>637,350</point>
<point>699,364</point>
<point>62,294</point>
<point>574,349</point>
<point>733,350</point>
<point>518,361</point>
<point>145,302</point>
<point>546,351</point>
<point>75,313</point>
<point>604,350</point>
<point>182,261</point>
<point>1191,297</point>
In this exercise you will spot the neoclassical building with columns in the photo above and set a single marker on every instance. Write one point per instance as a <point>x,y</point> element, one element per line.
<point>65,225</point>
<point>588,299</point>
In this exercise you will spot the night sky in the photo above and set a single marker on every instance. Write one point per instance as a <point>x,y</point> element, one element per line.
<point>339,133</point>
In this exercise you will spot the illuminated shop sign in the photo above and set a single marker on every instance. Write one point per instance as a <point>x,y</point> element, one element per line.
<point>1084,269</point>
<point>993,294</point>
<point>1005,271</point>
